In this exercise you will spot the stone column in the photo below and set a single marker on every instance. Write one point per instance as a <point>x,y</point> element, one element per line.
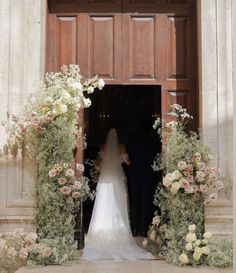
<point>216,97</point>
<point>22,31</point>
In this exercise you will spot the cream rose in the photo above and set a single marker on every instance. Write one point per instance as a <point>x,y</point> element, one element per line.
<point>197,242</point>
<point>205,250</point>
<point>87,102</point>
<point>191,237</point>
<point>207,235</point>
<point>189,246</point>
<point>175,187</point>
<point>152,235</point>
<point>156,220</point>
<point>196,256</point>
<point>101,84</point>
<point>183,258</point>
<point>145,242</point>
<point>192,227</point>
<point>182,165</point>
<point>176,174</point>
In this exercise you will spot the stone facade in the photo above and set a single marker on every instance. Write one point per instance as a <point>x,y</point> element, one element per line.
<point>22,51</point>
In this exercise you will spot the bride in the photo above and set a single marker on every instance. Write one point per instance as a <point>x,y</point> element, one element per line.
<point>109,235</point>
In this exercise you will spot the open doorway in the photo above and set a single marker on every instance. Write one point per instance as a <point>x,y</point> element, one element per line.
<point>125,108</point>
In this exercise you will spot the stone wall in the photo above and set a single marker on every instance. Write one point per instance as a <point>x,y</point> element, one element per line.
<point>22,62</point>
<point>216,91</point>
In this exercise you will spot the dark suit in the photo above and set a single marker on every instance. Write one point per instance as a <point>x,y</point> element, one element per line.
<point>142,182</point>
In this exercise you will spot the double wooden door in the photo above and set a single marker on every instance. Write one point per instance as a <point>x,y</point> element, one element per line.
<point>126,42</point>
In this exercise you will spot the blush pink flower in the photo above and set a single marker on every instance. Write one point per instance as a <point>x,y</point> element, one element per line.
<point>80,167</point>
<point>65,190</point>
<point>190,179</point>
<point>201,166</point>
<point>62,181</point>
<point>75,194</point>
<point>212,196</point>
<point>189,189</point>
<point>181,165</point>
<point>219,184</point>
<point>70,173</point>
<point>52,173</point>
<point>46,252</point>
<point>77,185</point>
<point>203,188</point>
<point>11,252</point>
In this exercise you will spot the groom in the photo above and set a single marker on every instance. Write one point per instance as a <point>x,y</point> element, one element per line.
<point>142,180</point>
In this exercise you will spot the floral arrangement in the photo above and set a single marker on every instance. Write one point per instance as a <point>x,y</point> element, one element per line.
<point>188,185</point>
<point>70,186</point>
<point>15,250</point>
<point>195,179</point>
<point>196,249</point>
<point>47,132</point>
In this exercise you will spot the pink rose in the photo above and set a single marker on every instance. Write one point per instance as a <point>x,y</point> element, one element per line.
<point>200,176</point>
<point>77,185</point>
<point>52,173</point>
<point>212,196</point>
<point>189,189</point>
<point>70,173</point>
<point>181,165</point>
<point>75,194</point>
<point>190,179</point>
<point>201,166</point>
<point>62,181</point>
<point>46,252</point>
<point>40,130</point>
<point>65,190</point>
<point>11,252</point>
<point>203,188</point>
<point>80,167</point>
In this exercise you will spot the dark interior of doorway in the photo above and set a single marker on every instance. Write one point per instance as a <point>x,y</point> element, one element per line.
<point>127,108</point>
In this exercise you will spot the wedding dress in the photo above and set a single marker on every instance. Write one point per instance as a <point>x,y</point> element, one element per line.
<point>109,235</point>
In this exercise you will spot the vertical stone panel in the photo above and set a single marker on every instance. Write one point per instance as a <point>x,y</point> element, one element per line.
<point>22,25</point>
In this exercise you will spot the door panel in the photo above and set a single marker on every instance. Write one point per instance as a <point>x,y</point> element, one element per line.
<point>129,42</point>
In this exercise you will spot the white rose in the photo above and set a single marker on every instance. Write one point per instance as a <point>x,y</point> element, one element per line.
<point>207,235</point>
<point>183,258</point>
<point>175,187</point>
<point>182,165</point>
<point>78,86</point>
<point>156,220</point>
<point>205,250</point>
<point>145,242</point>
<point>48,100</point>
<point>170,177</point>
<point>86,102</point>
<point>188,246</point>
<point>101,84</point>
<point>176,174</point>
<point>192,227</point>
<point>65,98</point>
<point>196,256</point>
<point>63,108</point>
<point>198,250</point>
<point>166,182</point>
<point>90,90</point>
<point>205,242</point>
<point>191,237</point>
<point>197,242</point>
<point>152,235</point>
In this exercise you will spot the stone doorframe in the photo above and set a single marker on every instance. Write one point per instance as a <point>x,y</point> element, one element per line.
<point>22,27</point>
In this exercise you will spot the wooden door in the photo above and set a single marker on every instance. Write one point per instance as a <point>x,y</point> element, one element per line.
<point>129,42</point>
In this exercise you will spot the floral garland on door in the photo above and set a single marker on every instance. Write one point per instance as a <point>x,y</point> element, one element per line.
<point>188,185</point>
<point>47,133</point>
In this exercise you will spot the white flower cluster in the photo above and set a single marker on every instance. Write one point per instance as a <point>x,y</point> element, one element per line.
<point>179,112</point>
<point>62,92</point>
<point>195,247</point>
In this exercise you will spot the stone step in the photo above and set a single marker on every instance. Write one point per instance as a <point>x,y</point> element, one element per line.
<point>220,225</point>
